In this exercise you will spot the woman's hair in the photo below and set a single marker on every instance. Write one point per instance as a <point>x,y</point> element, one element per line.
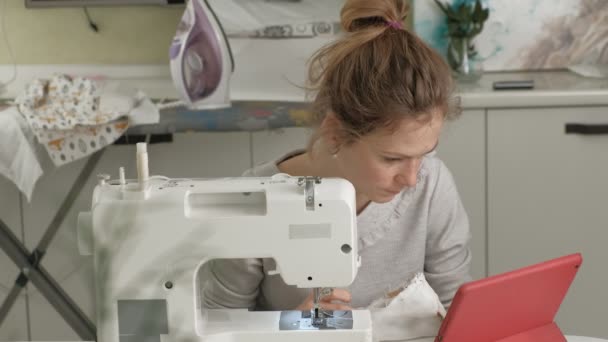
<point>378,73</point>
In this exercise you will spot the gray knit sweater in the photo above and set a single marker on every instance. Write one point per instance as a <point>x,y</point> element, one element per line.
<point>423,229</point>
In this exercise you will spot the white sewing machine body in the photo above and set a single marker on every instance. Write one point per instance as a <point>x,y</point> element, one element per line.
<point>150,238</point>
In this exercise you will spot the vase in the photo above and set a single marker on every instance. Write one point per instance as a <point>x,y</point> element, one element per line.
<point>463,60</point>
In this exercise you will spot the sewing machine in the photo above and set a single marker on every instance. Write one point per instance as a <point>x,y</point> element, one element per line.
<point>150,236</point>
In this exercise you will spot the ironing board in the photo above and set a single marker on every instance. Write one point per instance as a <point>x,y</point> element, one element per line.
<point>241,116</point>
<point>31,269</point>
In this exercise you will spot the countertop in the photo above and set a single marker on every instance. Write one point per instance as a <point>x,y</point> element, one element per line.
<point>282,83</point>
<point>251,112</point>
<point>551,88</point>
<point>267,100</point>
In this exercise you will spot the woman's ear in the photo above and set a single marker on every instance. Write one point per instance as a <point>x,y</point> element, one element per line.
<point>330,131</point>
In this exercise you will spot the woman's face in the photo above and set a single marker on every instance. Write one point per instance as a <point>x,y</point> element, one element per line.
<point>383,163</point>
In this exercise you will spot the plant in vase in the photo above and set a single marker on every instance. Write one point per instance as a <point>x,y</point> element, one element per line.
<point>465,19</point>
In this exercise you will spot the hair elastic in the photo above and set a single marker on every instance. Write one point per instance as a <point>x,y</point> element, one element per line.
<point>395,24</point>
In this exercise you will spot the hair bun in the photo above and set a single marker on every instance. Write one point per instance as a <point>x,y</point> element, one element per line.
<point>358,14</point>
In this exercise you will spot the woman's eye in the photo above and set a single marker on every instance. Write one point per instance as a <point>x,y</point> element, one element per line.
<point>391,160</point>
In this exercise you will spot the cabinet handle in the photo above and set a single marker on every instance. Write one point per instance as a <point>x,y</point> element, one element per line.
<point>586,129</point>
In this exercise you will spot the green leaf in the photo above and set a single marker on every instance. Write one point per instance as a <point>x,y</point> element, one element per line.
<point>465,20</point>
<point>477,12</point>
<point>471,48</point>
<point>475,31</point>
<point>458,45</point>
<point>453,29</point>
<point>452,14</point>
<point>486,14</point>
<point>442,6</point>
<point>463,12</point>
<point>454,61</point>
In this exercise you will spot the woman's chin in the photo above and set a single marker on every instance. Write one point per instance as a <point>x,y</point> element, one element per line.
<point>384,197</point>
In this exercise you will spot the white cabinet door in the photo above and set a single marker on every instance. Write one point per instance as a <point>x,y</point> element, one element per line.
<point>190,155</point>
<point>548,196</point>
<point>462,149</point>
<point>14,326</point>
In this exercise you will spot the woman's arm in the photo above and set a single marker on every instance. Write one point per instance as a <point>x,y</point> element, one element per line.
<point>448,253</point>
<point>231,283</point>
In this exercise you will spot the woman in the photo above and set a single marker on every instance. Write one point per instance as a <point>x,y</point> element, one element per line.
<point>381,97</point>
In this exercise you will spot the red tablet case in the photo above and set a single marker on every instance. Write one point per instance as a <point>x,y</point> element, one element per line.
<point>517,306</point>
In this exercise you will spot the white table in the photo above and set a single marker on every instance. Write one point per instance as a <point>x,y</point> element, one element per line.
<point>570,339</point>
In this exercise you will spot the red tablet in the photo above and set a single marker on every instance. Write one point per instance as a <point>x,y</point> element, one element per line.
<point>517,306</point>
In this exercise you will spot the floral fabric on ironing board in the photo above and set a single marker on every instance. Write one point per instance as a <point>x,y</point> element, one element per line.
<point>65,116</point>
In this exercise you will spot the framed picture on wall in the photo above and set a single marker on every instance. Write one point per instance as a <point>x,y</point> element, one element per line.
<point>527,34</point>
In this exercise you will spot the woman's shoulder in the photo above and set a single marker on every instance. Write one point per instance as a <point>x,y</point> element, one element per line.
<point>435,174</point>
<point>264,169</point>
<point>270,168</point>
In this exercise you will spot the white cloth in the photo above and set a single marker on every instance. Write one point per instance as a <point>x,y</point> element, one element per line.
<point>118,98</point>
<point>413,313</point>
<point>65,116</point>
<point>18,161</point>
<point>70,118</point>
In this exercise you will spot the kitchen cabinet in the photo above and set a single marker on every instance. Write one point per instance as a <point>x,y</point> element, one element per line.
<point>547,196</point>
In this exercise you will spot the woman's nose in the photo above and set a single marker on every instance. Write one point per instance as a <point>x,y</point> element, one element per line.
<point>409,174</point>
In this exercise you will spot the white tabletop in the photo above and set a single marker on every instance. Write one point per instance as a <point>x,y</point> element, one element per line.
<point>570,339</point>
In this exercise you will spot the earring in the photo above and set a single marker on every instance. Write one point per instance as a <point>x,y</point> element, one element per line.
<point>334,153</point>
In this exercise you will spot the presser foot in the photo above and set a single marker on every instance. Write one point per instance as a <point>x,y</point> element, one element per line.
<point>306,320</point>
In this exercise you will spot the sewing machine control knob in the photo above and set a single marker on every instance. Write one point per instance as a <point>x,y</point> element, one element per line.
<point>280,176</point>
<point>276,271</point>
<point>102,179</point>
